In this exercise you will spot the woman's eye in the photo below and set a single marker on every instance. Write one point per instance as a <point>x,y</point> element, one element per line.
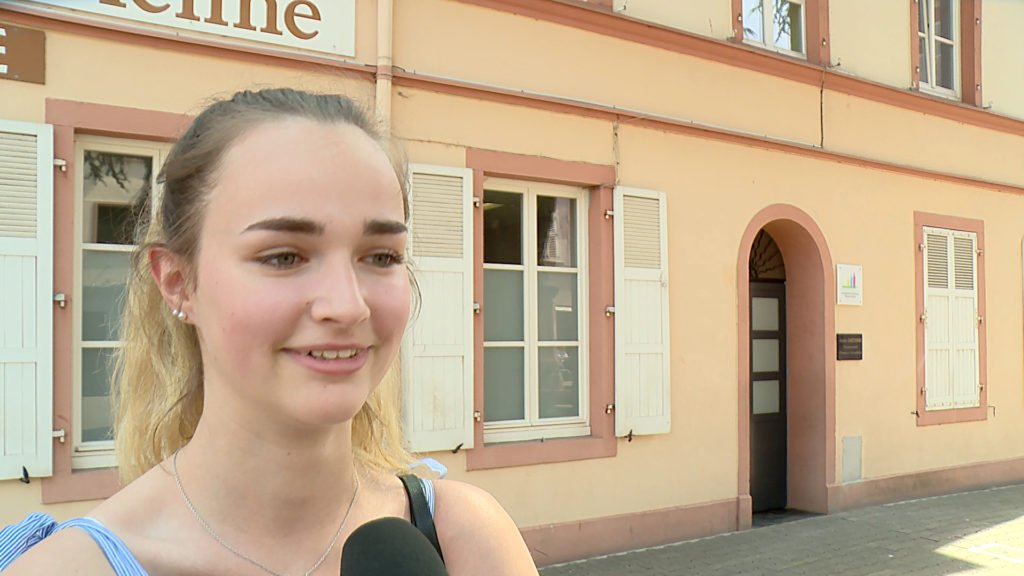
<point>281,260</point>
<point>386,259</point>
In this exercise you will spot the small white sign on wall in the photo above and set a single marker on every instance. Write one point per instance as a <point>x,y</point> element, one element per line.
<point>849,284</point>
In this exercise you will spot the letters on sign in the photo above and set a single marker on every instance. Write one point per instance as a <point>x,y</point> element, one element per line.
<point>320,25</point>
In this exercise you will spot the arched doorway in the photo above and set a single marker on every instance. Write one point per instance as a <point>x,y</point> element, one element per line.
<point>803,293</point>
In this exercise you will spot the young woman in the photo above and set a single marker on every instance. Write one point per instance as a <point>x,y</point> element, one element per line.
<point>268,301</point>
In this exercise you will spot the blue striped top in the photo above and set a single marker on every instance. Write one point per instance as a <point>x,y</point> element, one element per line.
<point>16,539</point>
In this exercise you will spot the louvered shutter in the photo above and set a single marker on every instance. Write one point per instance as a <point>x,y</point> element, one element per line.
<point>437,354</point>
<point>26,288</point>
<point>951,319</point>
<point>966,392</point>
<point>642,382</point>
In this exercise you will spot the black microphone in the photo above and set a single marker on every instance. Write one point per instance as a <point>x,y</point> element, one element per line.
<point>389,546</point>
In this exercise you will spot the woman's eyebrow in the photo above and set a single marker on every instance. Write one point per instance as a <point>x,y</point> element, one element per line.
<point>384,227</point>
<point>288,224</point>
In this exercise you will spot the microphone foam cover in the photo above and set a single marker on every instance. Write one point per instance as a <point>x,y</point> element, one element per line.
<point>389,546</point>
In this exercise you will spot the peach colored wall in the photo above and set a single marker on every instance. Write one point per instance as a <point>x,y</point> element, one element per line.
<point>704,17</point>
<point>871,39</point>
<point>75,71</point>
<point>856,126</point>
<point>502,49</point>
<point>1001,45</point>
<point>17,500</point>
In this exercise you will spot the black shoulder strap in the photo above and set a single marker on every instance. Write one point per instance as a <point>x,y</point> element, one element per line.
<point>420,510</point>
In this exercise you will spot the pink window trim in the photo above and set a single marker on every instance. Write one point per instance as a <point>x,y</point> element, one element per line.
<point>600,179</point>
<point>68,119</point>
<point>932,417</point>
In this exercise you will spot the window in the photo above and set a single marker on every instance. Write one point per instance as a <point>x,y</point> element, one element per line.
<point>952,338</point>
<point>776,24</point>
<point>938,45</point>
<point>946,48</point>
<point>113,174</point>
<point>535,345</point>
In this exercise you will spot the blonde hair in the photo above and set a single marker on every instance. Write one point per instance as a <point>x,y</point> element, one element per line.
<point>158,379</point>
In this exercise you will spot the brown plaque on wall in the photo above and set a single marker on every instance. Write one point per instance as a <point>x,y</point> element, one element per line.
<point>22,54</point>
<point>849,346</point>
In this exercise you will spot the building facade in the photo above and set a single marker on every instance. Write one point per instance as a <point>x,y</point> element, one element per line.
<point>680,262</point>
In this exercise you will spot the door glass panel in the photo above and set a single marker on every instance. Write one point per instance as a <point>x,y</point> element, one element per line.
<point>764,314</point>
<point>556,232</point>
<point>764,398</point>
<point>97,418</point>
<point>504,378</point>
<point>753,20</point>
<point>558,371</point>
<point>503,297</point>
<point>765,355</point>
<point>557,309</point>
<point>503,228</point>
<point>111,184</point>
<point>104,275</point>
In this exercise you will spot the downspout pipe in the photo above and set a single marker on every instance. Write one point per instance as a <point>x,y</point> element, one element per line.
<point>385,31</point>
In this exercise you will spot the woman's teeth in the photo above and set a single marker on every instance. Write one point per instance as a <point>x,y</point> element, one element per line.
<point>333,354</point>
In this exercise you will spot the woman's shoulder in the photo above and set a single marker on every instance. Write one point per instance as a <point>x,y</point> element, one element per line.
<point>476,533</point>
<point>35,546</point>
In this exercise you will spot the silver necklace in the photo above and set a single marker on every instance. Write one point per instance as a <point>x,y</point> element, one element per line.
<point>209,530</point>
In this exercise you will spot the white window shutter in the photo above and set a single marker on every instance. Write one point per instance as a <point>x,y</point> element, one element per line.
<point>437,354</point>
<point>642,382</point>
<point>951,319</point>
<point>26,293</point>
<point>966,391</point>
<point>937,329</point>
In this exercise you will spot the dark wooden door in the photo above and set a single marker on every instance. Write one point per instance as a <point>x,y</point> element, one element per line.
<point>768,455</point>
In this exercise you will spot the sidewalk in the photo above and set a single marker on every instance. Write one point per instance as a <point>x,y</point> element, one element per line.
<point>978,532</point>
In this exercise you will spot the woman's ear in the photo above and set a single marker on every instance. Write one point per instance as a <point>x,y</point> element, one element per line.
<point>170,272</point>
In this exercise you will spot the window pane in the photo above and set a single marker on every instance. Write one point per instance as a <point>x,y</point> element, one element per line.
<point>503,298</point>
<point>503,228</point>
<point>945,63</point>
<point>504,377</point>
<point>764,314</point>
<point>765,355</point>
<point>789,25</point>
<point>765,397</point>
<point>753,20</point>
<point>944,18</point>
<point>559,372</point>
<point>112,183</point>
<point>104,275</point>
<point>923,47</point>
<point>923,9</point>
<point>97,420</point>
<point>556,231</point>
<point>557,307</point>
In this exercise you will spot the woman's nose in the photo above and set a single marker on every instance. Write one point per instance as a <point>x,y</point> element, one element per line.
<point>338,296</point>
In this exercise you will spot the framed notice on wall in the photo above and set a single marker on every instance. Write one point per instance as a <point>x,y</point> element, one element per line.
<point>849,284</point>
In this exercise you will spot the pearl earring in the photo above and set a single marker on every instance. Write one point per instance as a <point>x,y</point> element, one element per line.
<point>180,314</point>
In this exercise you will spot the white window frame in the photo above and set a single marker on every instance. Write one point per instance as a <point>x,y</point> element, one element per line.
<point>533,427</point>
<point>927,7</point>
<point>768,29</point>
<point>86,455</point>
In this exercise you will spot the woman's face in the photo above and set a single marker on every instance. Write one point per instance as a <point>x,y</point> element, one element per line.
<point>302,295</point>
